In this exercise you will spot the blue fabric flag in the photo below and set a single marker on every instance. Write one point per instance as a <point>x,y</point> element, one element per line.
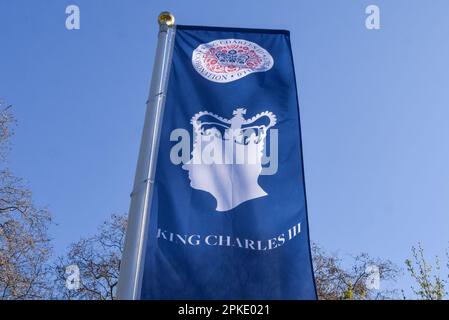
<point>229,217</point>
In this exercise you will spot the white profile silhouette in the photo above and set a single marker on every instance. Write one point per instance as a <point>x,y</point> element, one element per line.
<point>228,165</point>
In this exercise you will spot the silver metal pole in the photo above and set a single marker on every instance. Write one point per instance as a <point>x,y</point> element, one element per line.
<point>131,267</point>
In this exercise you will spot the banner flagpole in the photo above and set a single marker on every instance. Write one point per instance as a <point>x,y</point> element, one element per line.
<point>131,267</point>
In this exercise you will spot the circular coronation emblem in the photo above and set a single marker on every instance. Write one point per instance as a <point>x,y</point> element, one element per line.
<point>227,60</point>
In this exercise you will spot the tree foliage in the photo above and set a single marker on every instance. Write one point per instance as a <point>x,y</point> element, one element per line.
<point>335,282</point>
<point>24,242</point>
<point>430,284</point>
<point>98,259</point>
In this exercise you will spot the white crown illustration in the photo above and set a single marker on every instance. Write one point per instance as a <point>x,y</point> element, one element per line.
<point>241,130</point>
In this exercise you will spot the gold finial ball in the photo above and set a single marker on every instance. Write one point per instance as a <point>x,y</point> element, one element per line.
<point>166,18</point>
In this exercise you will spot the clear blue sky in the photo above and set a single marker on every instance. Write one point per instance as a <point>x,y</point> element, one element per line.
<point>374,107</point>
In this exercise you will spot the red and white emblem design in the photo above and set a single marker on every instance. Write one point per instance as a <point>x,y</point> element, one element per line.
<point>227,60</point>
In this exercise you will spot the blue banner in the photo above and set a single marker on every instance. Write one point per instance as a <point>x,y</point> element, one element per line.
<point>229,217</point>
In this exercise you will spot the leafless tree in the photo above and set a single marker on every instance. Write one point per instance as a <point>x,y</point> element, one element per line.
<point>335,282</point>
<point>98,259</point>
<point>24,243</point>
